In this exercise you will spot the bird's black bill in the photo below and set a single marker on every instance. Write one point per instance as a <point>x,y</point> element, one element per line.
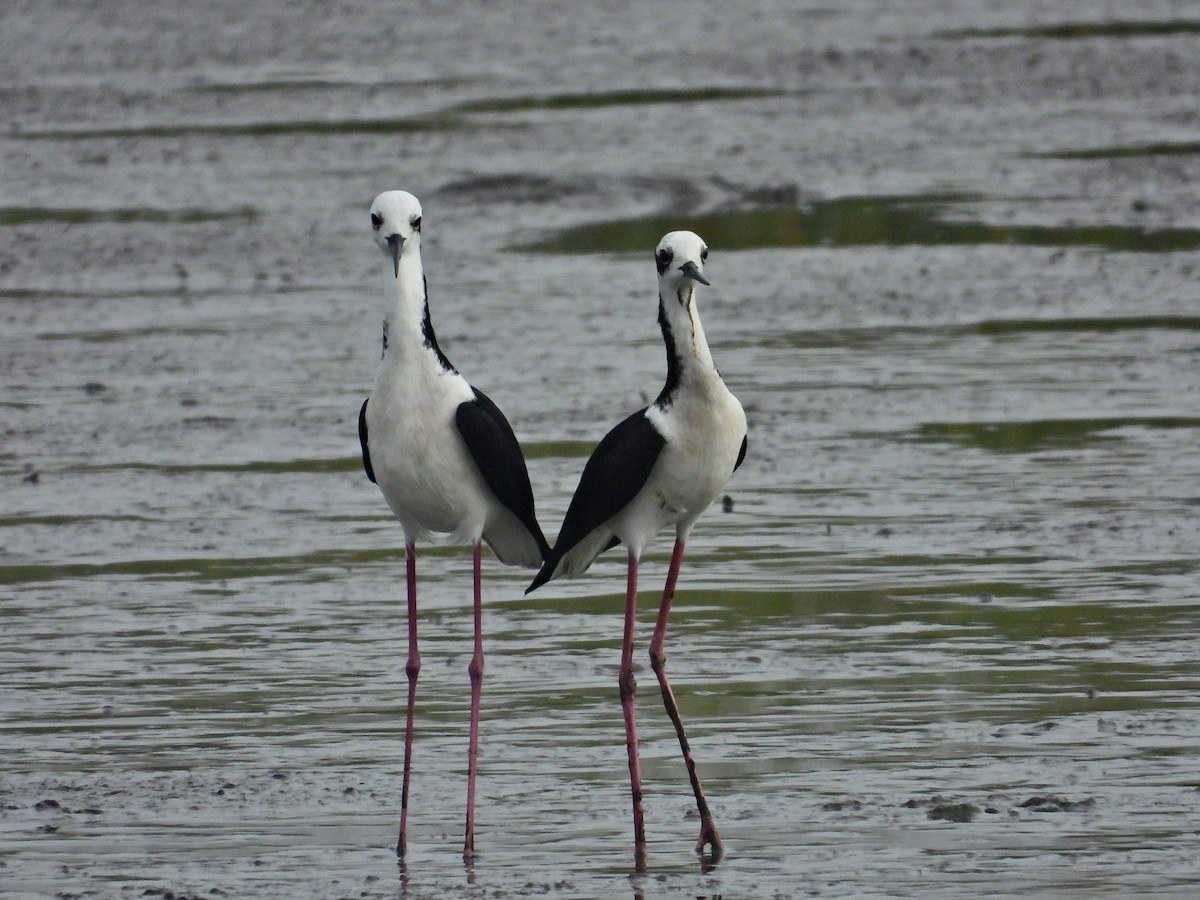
<point>394,242</point>
<point>689,269</point>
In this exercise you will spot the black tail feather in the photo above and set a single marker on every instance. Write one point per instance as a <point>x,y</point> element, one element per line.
<point>546,572</point>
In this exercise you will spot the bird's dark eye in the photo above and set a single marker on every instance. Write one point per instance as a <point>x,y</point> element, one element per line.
<point>704,254</point>
<point>416,223</point>
<point>663,259</point>
<point>376,221</point>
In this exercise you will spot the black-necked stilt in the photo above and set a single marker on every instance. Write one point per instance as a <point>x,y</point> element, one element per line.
<point>662,466</point>
<point>442,453</point>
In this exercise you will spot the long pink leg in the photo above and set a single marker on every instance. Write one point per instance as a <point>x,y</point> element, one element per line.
<point>412,669</point>
<point>476,672</point>
<point>658,661</point>
<point>628,688</point>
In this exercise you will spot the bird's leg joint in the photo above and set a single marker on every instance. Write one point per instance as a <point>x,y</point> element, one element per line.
<point>628,685</point>
<point>658,658</point>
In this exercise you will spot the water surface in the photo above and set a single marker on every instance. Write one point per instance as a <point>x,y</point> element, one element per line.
<point>940,641</point>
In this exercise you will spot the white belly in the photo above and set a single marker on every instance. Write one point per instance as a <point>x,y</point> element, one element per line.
<point>704,437</point>
<point>421,463</point>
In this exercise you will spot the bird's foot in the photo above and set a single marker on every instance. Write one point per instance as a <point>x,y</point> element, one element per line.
<point>469,855</point>
<point>469,862</point>
<point>710,839</point>
<point>639,859</point>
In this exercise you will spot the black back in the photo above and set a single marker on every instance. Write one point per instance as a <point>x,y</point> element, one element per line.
<point>494,447</point>
<point>615,472</point>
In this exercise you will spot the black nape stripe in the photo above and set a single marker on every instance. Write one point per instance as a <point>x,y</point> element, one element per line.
<point>429,336</point>
<point>674,363</point>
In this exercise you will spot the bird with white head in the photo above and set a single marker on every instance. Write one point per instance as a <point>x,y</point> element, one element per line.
<point>662,466</point>
<point>444,456</point>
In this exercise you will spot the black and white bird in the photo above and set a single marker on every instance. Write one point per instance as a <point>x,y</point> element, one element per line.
<point>662,466</point>
<point>443,455</point>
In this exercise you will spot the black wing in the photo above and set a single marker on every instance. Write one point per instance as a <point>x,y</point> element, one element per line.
<point>362,439</point>
<point>741,454</point>
<point>617,469</point>
<point>497,453</point>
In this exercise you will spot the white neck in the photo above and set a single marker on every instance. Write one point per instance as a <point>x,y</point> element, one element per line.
<point>406,304</point>
<point>690,364</point>
<point>691,346</point>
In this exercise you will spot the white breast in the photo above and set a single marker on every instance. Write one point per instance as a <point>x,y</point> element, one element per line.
<point>704,431</point>
<point>421,463</point>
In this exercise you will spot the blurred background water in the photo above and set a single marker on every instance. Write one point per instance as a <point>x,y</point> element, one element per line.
<point>944,641</point>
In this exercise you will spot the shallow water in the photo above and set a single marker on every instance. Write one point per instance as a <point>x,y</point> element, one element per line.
<point>944,641</point>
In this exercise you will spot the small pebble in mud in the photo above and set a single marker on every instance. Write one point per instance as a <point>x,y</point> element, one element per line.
<point>1057,804</point>
<point>92,388</point>
<point>953,812</point>
<point>727,504</point>
<point>841,805</point>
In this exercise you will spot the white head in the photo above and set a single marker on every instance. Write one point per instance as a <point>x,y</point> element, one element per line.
<point>680,260</point>
<point>396,220</point>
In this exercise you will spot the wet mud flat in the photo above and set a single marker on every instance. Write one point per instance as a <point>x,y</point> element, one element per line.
<point>942,637</point>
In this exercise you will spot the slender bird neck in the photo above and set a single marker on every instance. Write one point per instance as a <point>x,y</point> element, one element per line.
<point>407,326</point>
<point>689,360</point>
